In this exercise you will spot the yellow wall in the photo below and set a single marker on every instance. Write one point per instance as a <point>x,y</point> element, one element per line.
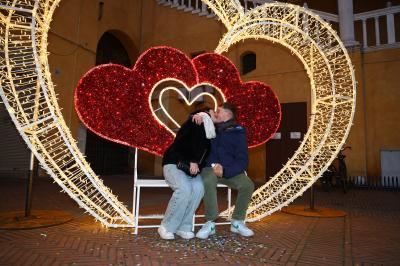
<point>185,31</point>
<point>356,163</point>
<point>381,78</point>
<point>76,31</point>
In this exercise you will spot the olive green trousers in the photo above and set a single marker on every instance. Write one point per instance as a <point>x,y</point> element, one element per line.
<point>242,183</point>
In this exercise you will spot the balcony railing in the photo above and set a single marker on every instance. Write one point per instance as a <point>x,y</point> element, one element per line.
<point>198,7</point>
<point>384,33</point>
<point>377,16</point>
<point>193,6</point>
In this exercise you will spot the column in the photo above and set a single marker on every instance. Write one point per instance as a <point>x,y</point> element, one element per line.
<point>390,25</point>
<point>346,22</point>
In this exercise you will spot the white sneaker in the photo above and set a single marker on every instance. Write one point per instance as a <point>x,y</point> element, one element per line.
<point>164,234</point>
<point>206,230</point>
<point>185,235</point>
<point>239,227</point>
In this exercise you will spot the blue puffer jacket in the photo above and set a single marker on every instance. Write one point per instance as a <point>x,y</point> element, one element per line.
<point>229,149</point>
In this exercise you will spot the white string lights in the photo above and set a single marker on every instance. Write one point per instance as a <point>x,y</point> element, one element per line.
<point>333,91</point>
<point>188,101</point>
<point>28,93</point>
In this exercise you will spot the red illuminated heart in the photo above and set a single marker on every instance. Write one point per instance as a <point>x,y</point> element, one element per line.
<point>113,101</point>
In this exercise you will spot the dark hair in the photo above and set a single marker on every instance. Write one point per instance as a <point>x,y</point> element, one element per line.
<point>203,107</point>
<point>231,107</point>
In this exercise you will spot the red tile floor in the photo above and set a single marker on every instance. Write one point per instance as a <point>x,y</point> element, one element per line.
<point>368,235</point>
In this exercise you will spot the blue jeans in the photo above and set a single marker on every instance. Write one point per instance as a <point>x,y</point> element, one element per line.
<point>187,195</point>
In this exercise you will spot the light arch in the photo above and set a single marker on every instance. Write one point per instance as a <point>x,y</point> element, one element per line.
<point>32,103</point>
<point>333,92</point>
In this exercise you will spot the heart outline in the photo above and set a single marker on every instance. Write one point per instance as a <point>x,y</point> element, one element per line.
<point>189,89</point>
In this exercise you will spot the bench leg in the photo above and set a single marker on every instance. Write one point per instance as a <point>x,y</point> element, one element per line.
<point>229,202</point>
<point>194,220</point>
<point>137,210</point>
<point>134,203</point>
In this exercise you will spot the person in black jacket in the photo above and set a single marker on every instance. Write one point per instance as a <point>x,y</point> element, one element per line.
<point>190,148</point>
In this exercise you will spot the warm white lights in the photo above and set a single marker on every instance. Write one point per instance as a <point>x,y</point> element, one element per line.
<point>333,92</point>
<point>28,94</point>
<point>187,99</point>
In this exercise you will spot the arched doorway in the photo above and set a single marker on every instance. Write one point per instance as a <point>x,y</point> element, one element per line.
<point>106,157</point>
<point>111,50</point>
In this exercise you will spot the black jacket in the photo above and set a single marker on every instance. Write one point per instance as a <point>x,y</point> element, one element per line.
<point>190,145</point>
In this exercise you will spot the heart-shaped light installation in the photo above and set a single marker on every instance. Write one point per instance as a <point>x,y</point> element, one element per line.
<point>115,102</point>
<point>28,94</point>
<point>333,90</point>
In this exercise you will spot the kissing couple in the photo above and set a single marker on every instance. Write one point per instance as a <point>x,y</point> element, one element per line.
<point>209,148</point>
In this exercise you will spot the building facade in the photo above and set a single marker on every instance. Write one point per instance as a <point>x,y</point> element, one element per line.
<point>87,33</point>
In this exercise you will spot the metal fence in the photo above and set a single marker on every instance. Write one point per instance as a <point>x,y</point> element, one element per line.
<point>378,182</point>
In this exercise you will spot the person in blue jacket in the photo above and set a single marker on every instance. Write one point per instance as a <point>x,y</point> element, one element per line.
<point>226,164</point>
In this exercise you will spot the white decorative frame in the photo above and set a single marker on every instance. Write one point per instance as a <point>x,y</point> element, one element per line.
<point>28,94</point>
<point>187,102</point>
<point>333,91</point>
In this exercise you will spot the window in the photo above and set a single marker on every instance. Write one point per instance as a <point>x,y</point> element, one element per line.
<point>248,62</point>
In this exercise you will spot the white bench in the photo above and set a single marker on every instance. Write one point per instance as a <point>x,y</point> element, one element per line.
<point>160,183</point>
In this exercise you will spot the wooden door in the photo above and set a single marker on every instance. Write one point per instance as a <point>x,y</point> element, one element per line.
<point>288,138</point>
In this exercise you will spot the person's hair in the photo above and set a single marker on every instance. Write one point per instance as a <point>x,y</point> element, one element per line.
<point>203,107</point>
<point>231,107</point>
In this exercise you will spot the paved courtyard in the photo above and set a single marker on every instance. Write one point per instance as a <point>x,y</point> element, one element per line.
<point>368,235</point>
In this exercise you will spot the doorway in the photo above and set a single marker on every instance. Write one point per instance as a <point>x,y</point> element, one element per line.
<point>288,137</point>
<point>104,156</point>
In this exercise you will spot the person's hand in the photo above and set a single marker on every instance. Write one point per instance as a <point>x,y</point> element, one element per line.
<point>194,168</point>
<point>198,119</point>
<point>218,170</point>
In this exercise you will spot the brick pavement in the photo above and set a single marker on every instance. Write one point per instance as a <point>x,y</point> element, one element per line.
<point>368,235</point>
